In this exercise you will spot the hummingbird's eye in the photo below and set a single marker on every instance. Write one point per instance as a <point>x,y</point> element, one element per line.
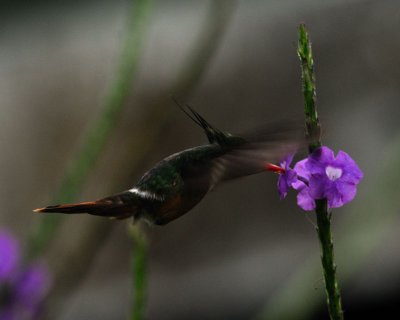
<point>176,182</point>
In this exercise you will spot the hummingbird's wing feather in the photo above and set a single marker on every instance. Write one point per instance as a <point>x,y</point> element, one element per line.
<point>269,144</point>
<point>239,156</point>
<point>242,162</point>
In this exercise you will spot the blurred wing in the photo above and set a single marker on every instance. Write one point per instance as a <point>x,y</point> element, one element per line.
<point>248,160</point>
<point>266,145</point>
<point>246,154</point>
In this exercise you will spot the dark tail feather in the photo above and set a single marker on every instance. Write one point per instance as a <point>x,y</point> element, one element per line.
<point>105,208</point>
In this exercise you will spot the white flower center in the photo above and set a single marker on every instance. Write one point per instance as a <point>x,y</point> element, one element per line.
<point>333,173</point>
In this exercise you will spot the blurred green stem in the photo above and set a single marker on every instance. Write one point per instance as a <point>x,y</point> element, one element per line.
<point>219,14</point>
<point>313,135</point>
<point>153,122</point>
<point>218,17</point>
<point>97,135</point>
<point>139,262</point>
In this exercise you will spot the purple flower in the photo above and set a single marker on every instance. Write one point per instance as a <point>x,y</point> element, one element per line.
<point>22,290</point>
<point>287,176</point>
<point>9,255</point>
<point>304,198</point>
<point>320,176</point>
<point>333,178</point>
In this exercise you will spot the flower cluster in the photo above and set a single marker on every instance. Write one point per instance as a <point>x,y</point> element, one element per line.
<point>320,176</point>
<point>22,289</point>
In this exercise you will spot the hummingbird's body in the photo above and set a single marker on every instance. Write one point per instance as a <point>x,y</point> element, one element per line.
<point>177,183</point>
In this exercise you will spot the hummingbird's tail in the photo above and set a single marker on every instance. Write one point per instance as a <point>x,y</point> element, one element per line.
<point>112,207</point>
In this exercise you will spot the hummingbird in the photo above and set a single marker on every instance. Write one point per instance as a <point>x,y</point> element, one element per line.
<point>180,181</point>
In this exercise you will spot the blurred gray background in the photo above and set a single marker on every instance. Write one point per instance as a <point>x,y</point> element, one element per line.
<point>232,256</point>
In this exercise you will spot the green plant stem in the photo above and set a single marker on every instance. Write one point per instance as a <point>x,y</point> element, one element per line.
<point>139,262</point>
<point>97,134</point>
<point>153,122</point>
<point>218,17</point>
<point>219,14</point>
<point>313,134</point>
<point>313,128</point>
<point>327,258</point>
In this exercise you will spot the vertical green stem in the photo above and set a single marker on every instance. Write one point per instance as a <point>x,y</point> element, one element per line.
<point>218,17</point>
<point>313,128</point>
<point>139,261</point>
<point>98,133</point>
<point>313,134</point>
<point>328,263</point>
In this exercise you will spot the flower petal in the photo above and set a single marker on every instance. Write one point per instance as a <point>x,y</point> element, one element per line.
<point>33,285</point>
<point>282,187</point>
<point>323,155</point>
<point>301,169</point>
<point>347,191</point>
<point>285,163</point>
<point>9,255</point>
<point>6,313</point>
<point>319,159</point>
<point>285,181</point>
<point>319,186</point>
<point>304,200</point>
<point>352,172</point>
<point>299,185</point>
<point>291,177</point>
<point>334,199</point>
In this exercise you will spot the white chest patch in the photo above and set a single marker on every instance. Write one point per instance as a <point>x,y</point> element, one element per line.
<point>146,194</point>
